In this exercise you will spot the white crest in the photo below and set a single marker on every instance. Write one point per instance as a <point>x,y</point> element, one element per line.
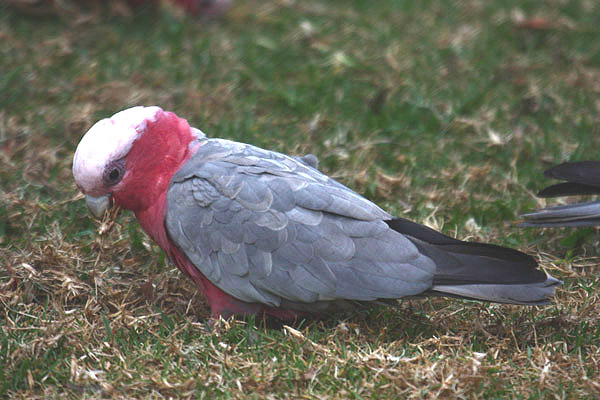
<point>109,139</point>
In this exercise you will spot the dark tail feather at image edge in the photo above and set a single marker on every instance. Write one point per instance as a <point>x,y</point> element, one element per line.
<point>582,214</point>
<point>582,178</point>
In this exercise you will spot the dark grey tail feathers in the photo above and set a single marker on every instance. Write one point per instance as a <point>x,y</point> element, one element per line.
<point>568,189</point>
<point>582,178</point>
<point>581,172</point>
<point>479,270</point>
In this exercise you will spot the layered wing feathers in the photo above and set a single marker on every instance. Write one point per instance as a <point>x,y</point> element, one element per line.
<point>265,227</point>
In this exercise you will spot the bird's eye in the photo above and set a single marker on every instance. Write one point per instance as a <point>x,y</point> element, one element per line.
<point>114,174</point>
<point>114,171</point>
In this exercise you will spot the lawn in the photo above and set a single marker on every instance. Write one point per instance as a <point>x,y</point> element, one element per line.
<point>442,112</point>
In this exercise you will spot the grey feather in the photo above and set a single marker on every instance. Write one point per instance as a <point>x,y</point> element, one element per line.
<point>261,262</point>
<point>283,198</point>
<point>296,252</point>
<point>312,198</point>
<point>275,228</point>
<point>334,244</point>
<point>511,294</point>
<point>581,214</point>
<point>273,220</point>
<point>305,233</point>
<point>312,282</point>
<point>237,261</point>
<point>356,228</point>
<point>309,159</point>
<point>232,231</point>
<point>257,198</point>
<point>305,216</point>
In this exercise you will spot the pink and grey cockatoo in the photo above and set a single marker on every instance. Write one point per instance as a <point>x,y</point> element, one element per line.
<point>260,232</point>
<point>582,178</point>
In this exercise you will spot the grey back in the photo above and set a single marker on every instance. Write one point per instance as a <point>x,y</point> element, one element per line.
<point>265,227</point>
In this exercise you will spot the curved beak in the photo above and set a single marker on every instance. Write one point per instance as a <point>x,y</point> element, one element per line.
<point>98,205</point>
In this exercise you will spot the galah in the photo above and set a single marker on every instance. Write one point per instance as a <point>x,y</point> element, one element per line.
<point>260,232</point>
<point>582,178</point>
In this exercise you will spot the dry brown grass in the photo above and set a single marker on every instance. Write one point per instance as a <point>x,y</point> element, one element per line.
<point>121,333</point>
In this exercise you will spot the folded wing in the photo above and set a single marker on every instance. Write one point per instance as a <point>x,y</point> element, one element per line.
<point>268,228</point>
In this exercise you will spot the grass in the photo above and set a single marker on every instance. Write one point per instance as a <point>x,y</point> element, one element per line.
<point>445,113</point>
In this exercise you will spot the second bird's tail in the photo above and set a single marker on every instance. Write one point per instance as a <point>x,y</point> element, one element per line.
<point>582,214</point>
<point>581,178</point>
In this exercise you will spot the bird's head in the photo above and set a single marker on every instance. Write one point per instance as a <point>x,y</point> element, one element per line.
<point>129,158</point>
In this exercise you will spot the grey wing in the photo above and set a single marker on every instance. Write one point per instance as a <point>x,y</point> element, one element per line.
<point>264,227</point>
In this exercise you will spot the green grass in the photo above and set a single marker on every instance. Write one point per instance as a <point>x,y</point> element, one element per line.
<point>443,112</point>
